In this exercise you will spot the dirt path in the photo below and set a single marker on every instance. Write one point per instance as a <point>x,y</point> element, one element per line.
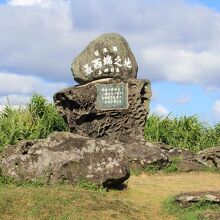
<point>151,190</point>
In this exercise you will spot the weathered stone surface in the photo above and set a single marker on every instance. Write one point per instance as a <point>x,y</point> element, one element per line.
<point>190,198</point>
<point>66,158</point>
<point>142,154</point>
<point>210,157</point>
<point>78,106</point>
<point>189,165</point>
<point>184,159</point>
<point>174,152</point>
<point>108,56</point>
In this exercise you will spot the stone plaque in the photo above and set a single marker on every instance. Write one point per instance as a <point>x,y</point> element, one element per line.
<point>112,96</point>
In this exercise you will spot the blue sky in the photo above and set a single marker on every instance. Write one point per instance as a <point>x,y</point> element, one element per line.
<point>176,44</point>
<point>214,4</point>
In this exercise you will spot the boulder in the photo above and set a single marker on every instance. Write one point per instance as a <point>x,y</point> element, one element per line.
<point>108,56</point>
<point>184,154</point>
<point>142,154</point>
<point>190,198</point>
<point>183,158</point>
<point>210,157</point>
<point>189,165</point>
<point>108,109</point>
<point>66,158</point>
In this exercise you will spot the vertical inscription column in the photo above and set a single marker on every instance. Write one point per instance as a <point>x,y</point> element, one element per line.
<point>111,96</point>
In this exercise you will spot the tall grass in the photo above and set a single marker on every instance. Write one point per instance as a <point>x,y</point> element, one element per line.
<point>182,132</point>
<point>40,118</point>
<point>37,120</point>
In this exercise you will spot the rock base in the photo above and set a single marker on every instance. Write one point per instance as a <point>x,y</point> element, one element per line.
<point>78,105</point>
<point>66,158</point>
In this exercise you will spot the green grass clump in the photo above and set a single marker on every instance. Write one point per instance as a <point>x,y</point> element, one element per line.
<point>36,120</point>
<point>91,186</point>
<point>182,132</point>
<point>193,212</point>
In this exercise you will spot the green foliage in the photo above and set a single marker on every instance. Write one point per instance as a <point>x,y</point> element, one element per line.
<point>136,172</point>
<point>172,167</point>
<point>91,186</point>
<point>155,168</point>
<point>6,180</point>
<point>37,120</point>
<point>152,169</point>
<point>191,213</point>
<point>182,132</point>
<point>40,118</point>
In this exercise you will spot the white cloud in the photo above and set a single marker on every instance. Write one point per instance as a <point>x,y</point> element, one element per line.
<point>15,100</point>
<point>39,41</point>
<point>161,110</point>
<point>216,107</point>
<point>26,2</point>
<point>182,100</point>
<point>155,94</point>
<point>214,115</point>
<point>172,40</point>
<point>13,83</point>
<point>181,66</point>
<point>41,3</point>
<point>18,88</point>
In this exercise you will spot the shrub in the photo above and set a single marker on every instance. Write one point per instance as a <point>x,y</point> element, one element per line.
<point>182,132</point>
<point>37,120</point>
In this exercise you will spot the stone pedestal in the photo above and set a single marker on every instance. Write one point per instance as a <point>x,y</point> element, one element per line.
<point>107,108</point>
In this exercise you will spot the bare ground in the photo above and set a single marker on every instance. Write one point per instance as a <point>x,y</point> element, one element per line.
<point>142,199</point>
<point>151,190</point>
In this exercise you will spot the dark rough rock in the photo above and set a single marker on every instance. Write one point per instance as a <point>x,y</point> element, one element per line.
<point>184,159</point>
<point>92,64</point>
<point>190,198</point>
<point>184,154</point>
<point>142,154</point>
<point>210,157</point>
<point>189,165</point>
<point>78,107</point>
<point>66,158</point>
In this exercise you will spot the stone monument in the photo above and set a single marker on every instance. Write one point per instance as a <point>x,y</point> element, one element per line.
<point>106,110</point>
<point>109,102</point>
<point>106,114</point>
